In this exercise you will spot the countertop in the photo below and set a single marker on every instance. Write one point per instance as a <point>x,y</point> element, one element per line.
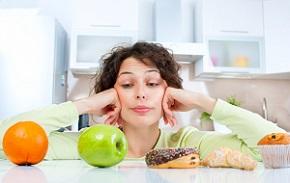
<point>74,171</point>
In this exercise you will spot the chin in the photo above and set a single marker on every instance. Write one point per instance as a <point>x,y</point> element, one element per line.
<point>142,121</point>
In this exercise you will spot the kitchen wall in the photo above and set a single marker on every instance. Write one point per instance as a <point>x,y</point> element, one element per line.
<point>250,92</point>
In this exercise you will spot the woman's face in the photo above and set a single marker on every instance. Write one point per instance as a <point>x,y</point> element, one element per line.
<point>140,89</point>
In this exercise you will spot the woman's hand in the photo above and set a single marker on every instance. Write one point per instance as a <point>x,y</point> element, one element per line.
<point>182,100</point>
<point>103,103</point>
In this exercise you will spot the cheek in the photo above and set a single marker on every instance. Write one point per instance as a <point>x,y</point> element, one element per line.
<point>125,97</point>
<point>157,96</point>
<point>156,101</point>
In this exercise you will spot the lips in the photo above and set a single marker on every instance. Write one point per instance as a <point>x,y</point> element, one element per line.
<point>141,109</point>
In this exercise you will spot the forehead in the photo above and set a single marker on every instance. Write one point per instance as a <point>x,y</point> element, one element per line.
<point>134,66</point>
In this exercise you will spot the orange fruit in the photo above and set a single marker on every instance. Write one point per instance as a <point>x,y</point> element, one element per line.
<point>25,143</point>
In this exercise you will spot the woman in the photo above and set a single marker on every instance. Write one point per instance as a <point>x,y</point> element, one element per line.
<point>136,87</point>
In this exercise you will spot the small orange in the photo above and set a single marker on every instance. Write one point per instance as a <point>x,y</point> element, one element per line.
<point>25,143</point>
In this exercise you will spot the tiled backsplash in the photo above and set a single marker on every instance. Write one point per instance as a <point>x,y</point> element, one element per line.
<point>249,92</point>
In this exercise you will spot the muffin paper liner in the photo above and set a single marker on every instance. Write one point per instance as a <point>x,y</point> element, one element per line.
<point>275,156</point>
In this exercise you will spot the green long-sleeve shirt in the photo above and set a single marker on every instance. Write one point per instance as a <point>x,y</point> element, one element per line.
<point>247,129</point>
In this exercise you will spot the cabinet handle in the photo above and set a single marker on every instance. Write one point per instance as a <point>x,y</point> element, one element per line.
<point>235,31</point>
<point>96,25</point>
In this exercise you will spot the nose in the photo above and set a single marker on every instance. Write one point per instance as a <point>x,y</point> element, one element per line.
<point>140,93</point>
<point>139,97</point>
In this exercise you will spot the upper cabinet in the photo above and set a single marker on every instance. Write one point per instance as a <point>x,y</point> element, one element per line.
<point>277,35</point>
<point>229,18</point>
<point>233,32</point>
<point>99,27</point>
<point>243,38</point>
<point>87,46</point>
<point>109,14</point>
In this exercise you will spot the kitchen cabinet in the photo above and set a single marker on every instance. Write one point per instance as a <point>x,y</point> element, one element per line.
<point>109,14</point>
<point>229,18</point>
<point>97,27</point>
<point>89,45</point>
<point>233,33</point>
<point>185,53</point>
<point>232,56</point>
<point>277,35</point>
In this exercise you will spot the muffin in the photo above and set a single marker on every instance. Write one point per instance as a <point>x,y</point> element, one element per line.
<point>275,150</point>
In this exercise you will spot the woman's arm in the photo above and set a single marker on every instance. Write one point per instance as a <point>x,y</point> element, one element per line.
<point>247,129</point>
<point>248,126</point>
<point>55,116</point>
<point>182,100</point>
<point>51,117</point>
<point>104,103</point>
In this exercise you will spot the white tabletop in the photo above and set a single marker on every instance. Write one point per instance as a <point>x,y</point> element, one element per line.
<point>73,171</point>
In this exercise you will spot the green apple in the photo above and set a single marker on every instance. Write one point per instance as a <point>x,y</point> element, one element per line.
<point>102,145</point>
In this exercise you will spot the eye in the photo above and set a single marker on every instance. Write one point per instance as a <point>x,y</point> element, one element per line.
<point>127,85</point>
<point>152,84</point>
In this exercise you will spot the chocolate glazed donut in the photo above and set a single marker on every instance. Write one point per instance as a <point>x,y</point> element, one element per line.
<point>173,158</point>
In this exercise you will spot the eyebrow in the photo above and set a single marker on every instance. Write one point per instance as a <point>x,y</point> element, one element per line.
<point>148,71</point>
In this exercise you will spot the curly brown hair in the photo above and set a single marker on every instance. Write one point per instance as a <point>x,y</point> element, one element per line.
<point>159,56</point>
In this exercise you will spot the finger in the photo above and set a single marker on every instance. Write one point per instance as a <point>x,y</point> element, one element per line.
<point>164,117</point>
<point>171,123</point>
<point>116,114</point>
<point>117,102</point>
<point>115,119</point>
<point>174,121</point>
<point>110,120</point>
<point>108,108</point>
<point>108,114</point>
<point>120,121</point>
<point>165,120</point>
<point>169,120</point>
<point>107,120</point>
<point>171,104</point>
<point>166,108</point>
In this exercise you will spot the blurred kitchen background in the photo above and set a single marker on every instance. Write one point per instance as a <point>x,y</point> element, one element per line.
<point>49,49</point>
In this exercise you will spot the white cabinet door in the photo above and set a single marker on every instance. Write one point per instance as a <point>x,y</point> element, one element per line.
<point>233,17</point>
<point>233,31</point>
<point>88,46</point>
<point>277,35</point>
<point>111,14</point>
